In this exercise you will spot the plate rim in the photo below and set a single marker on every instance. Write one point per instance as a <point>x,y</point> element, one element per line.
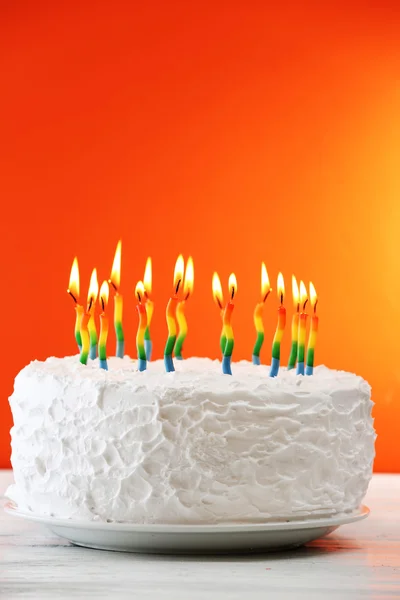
<point>331,521</point>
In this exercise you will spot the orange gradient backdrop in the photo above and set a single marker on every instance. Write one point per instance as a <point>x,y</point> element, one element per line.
<point>233,131</point>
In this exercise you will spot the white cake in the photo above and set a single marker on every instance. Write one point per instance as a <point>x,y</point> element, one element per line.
<point>193,446</point>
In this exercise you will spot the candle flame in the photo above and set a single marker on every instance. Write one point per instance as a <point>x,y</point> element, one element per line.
<point>189,279</point>
<point>73,288</point>
<point>139,291</point>
<point>115,277</point>
<point>93,291</point>
<point>313,297</point>
<point>217,291</point>
<point>295,293</point>
<point>265,287</point>
<point>232,284</point>
<point>147,279</point>
<point>104,292</point>
<point>280,288</point>
<point>303,295</point>
<point>178,272</point>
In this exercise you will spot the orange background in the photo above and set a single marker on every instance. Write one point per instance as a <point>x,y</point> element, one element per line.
<point>234,131</point>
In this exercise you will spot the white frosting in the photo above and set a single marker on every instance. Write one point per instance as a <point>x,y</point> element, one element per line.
<point>193,446</point>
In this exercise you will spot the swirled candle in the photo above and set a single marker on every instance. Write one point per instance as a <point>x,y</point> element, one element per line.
<point>114,281</point>
<point>180,309</point>
<point>141,308</point>
<point>148,285</point>
<point>280,328</point>
<point>91,302</point>
<point>228,331</point>
<point>103,296</point>
<point>312,340</point>
<point>258,314</point>
<point>219,300</point>
<point>302,329</point>
<point>170,315</point>
<point>73,291</point>
<point>295,325</point>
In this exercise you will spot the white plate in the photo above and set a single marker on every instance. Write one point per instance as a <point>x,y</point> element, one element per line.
<point>201,539</point>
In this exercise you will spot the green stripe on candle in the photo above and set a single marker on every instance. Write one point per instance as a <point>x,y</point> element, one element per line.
<point>119,332</point>
<point>179,345</point>
<point>258,344</point>
<point>293,356</point>
<point>276,350</point>
<point>141,352</point>
<point>229,347</point>
<point>147,334</point>
<point>300,356</point>
<point>78,338</point>
<point>102,352</point>
<point>84,357</point>
<point>222,343</point>
<point>169,346</point>
<point>310,357</point>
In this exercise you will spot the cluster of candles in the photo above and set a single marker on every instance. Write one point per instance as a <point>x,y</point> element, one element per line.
<point>88,341</point>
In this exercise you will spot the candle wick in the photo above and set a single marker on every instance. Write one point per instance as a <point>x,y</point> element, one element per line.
<point>102,303</point>
<point>219,303</point>
<point>139,297</point>
<point>266,295</point>
<point>90,304</point>
<point>281,298</point>
<point>298,306</point>
<point>315,306</point>
<point>233,292</point>
<point>304,305</point>
<point>177,286</point>
<point>72,296</point>
<point>113,284</point>
<point>187,296</point>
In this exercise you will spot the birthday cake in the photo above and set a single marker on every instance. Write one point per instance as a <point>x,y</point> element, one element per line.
<point>189,447</point>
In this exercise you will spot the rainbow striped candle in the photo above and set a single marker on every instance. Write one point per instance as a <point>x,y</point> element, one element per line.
<point>302,330</point>
<point>180,309</point>
<point>280,328</point>
<point>219,300</point>
<point>104,292</point>
<point>295,325</point>
<point>73,291</point>
<point>92,323</point>
<point>141,308</point>
<point>312,340</point>
<point>114,281</point>
<point>148,281</point>
<point>170,314</point>
<point>230,341</point>
<point>258,314</point>
<point>91,302</point>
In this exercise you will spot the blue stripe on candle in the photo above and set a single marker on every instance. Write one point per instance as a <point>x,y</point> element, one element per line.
<point>169,363</point>
<point>309,370</point>
<point>226,365</point>
<point>274,367</point>
<point>103,364</point>
<point>141,364</point>
<point>120,349</point>
<point>300,368</point>
<point>93,351</point>
<point>148,348</point>
<point>256,360</point>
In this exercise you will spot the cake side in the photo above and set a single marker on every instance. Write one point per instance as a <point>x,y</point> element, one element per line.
<point>193,446</point>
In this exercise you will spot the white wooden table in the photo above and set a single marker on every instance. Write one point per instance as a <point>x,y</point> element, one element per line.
<point>358,561</point>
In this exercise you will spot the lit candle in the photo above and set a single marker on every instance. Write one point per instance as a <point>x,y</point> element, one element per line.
<point>302,330</point>
<point>219,300</point>
<point>104,291</point>
<point>313,331</point>
<point>147,281</point>
<point>115,280</point>
<point>170,314</point>
<point>295,324</point>
<point>180,309</point>
<point>73,291</point>
<point>228,331</point>
<point>92,325</point>
<point>280,328</point>
<point>141,308</point>
<point>258,314</point>
<point>91,301</point>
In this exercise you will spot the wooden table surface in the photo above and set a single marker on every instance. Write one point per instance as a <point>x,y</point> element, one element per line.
<point>357,561</point>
